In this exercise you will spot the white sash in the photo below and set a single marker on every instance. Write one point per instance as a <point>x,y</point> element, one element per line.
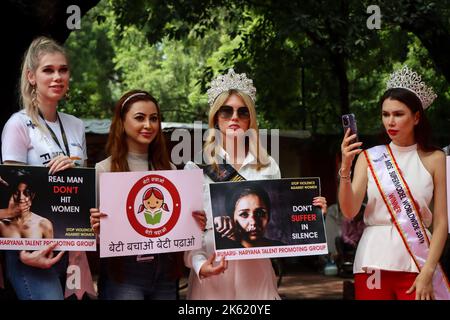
<point>404,212</point>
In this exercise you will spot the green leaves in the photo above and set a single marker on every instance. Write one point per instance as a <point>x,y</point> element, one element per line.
<point>310,60</point>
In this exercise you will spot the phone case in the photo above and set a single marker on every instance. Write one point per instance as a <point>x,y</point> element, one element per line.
<point>349,121</point>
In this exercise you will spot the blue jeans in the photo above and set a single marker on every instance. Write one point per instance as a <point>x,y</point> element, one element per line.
<point>140,281</point>
<point>161,290</point>
<point>30,283</point>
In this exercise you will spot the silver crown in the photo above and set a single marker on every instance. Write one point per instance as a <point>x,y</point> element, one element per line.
<point>407,79</point>
<point>229,81</point>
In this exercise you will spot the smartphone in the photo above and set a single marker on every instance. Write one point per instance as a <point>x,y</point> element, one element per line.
<point>349,121</point>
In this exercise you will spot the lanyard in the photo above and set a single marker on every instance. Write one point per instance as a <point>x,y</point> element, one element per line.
<point>63,133</point>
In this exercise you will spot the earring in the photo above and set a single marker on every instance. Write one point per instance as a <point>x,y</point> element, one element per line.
<point>34,96</point>
<point>67,95</point>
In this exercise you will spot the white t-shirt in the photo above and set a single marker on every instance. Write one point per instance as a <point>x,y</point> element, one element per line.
<point>23,142</point>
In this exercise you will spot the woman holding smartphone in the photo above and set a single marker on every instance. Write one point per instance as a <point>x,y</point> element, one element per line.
<point>400,178</point>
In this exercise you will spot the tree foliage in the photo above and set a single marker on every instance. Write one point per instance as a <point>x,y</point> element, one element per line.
<point>109,58</point>
<point>22,21</point>
<point>311,61</point>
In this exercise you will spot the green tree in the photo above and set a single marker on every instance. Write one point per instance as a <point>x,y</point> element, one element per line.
<point>310,60</point>
<point>92,68</point>
<point>24,20</point>
<point>109,58</point>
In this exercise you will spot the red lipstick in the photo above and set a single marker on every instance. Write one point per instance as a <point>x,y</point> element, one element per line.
<point>392,132</point>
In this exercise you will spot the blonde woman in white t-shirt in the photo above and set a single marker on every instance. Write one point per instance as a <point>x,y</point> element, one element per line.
<point>40,135</point>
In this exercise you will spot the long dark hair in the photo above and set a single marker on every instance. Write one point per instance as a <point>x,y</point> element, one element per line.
<point>117,145</point>
<point>422,131</point>
<point>242,191</point>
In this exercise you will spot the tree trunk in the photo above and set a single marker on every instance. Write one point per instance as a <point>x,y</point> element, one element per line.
<point>435,37</point>
<point>340,69</point>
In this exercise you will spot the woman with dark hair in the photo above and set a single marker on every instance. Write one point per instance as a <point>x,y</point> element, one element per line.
<point>400,179</point>
<point>248,210</point>
<point>25,223</point>
<point>422,130</point>
<point>136,143</point>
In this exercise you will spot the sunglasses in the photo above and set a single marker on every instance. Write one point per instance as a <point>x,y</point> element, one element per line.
<point>226,112</point>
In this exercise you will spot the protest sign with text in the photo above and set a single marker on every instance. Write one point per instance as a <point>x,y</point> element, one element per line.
<point>267,218</point>
<point>150,212</point>
<point>38,209</point>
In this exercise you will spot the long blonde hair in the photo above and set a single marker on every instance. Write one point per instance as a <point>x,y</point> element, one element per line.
<point>37,48</point>
<point>254,145</point>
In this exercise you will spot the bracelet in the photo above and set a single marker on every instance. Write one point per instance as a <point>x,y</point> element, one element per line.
<point>344,177</point>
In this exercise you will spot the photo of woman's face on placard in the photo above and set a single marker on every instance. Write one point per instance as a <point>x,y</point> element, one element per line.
<point>261,213</point>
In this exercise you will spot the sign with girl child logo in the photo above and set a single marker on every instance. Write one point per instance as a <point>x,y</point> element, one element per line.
<point>149,212</point>
<point>38,209</point>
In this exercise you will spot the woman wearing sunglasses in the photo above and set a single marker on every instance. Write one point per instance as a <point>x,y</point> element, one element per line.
<point>232,152</point>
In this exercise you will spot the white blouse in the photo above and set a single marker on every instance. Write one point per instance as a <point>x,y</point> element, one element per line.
<point>381,246</point>
<point>243,279</point>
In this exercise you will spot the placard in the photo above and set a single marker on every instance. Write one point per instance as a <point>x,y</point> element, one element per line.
<point>267,218</point>
<point>149,212</point>
<point>38,209</point>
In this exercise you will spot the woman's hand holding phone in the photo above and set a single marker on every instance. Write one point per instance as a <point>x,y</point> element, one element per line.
<point>350,146</point>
